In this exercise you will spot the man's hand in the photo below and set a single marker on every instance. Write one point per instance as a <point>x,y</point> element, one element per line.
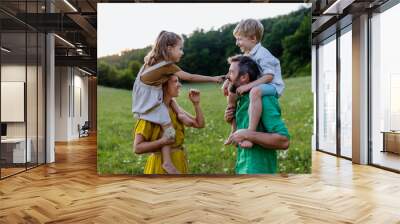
<point>240,135</point>
<point>229,113</point>
<point>194,96</point>
<point>243,89</point>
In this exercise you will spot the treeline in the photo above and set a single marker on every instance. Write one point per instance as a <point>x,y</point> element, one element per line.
<point>287,37</point>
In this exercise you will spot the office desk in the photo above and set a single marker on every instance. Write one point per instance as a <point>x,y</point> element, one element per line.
<point>391,141</point>
<point>15,148</point>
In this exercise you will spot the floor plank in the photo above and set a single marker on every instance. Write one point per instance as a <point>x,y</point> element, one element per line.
<point>70,191</point>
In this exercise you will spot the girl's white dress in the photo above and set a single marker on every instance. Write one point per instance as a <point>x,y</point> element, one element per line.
<point>147,100</point>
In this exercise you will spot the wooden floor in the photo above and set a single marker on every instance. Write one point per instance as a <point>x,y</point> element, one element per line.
<point>10,171</point>
<point>69,191</point>
<point>388,159</point>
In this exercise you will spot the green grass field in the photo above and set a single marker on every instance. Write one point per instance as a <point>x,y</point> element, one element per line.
<point>206,152</point>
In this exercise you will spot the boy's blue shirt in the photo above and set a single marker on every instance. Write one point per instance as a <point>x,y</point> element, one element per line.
<point>267,63</point>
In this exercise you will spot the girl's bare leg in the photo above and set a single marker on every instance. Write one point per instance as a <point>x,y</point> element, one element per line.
<point>167,165</point>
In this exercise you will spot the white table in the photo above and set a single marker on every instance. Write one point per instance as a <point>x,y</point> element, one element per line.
<point>19,149</point>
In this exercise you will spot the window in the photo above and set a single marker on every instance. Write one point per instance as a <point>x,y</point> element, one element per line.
<point>385,89</point>
<point>346,92</point>
<point>23,77</point>
<point>327,96</point>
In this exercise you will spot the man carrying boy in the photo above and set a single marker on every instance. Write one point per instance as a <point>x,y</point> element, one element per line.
<point>248,34</point>
<point>270,134</point>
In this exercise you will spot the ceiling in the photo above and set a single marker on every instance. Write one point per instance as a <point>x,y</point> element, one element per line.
<point>74,22</point>
<point>330,15</point>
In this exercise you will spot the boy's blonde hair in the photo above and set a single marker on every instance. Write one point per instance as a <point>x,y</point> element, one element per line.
<point>249,28</point>
<point>159,52</point>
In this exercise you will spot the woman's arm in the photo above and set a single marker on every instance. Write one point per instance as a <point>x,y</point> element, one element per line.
<point>194,96</point>
<point>186,118</point>
<point>141,146</point>
<point>182,116</point>
<point>199,78</point>
<point>198,120</point>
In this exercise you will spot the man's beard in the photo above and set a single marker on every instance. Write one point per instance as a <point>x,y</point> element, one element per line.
<point>234,85</point>
<point>232,88</point>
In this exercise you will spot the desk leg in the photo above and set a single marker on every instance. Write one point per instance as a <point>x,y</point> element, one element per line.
<point>384,142</point>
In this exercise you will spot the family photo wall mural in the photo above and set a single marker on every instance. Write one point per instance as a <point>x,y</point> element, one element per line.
<point>217,88</point>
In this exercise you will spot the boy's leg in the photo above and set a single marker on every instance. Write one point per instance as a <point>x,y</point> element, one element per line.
<point>255,107</point>
<point>167,165</point>
<point>231,103</point>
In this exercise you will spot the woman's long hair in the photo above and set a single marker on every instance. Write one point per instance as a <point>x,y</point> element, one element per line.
<point>159,52</point>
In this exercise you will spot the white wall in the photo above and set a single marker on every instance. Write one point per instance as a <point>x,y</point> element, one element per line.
<point>80,110</point>
<point>71,94</point>
<point>62,80</point>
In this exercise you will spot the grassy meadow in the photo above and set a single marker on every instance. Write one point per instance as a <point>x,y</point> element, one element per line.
<point>205,149</point>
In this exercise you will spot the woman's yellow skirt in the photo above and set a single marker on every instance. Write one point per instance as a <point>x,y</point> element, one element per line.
<point>154,162</point>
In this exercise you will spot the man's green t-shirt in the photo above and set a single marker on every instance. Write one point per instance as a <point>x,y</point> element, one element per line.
<point>258,160</point>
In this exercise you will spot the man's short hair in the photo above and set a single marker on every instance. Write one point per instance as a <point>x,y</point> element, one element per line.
<point>249,28</point>
<point>246,66</point>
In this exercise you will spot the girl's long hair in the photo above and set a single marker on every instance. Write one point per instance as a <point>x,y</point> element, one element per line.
<point>159,52</point>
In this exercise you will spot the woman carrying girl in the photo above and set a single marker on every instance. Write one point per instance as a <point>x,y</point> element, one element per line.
<point>159,66</point>
<point>148,137</point>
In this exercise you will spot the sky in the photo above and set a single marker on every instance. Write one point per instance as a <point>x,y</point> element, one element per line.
<point>124,26</point>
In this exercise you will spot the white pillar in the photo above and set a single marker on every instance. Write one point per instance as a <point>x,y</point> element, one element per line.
<point>50,110</point>
<point>360,90</point>
<point>50,93</point>
<point>62,103</point>
<point>314,91</point>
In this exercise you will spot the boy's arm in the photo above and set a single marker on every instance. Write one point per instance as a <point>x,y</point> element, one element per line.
<point>198,78</point>
<point>267,65</point>
<point>262,80</point>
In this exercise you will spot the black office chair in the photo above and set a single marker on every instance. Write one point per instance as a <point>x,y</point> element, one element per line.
<point>84,130</point>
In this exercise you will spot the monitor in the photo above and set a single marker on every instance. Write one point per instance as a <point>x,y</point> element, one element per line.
<point>3,129</point>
